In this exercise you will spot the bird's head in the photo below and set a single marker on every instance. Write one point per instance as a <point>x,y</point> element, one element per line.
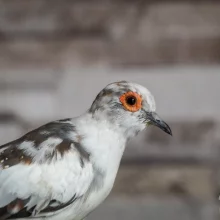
<point>129,106</point>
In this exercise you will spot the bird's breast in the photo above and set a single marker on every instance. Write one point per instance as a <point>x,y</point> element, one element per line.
<point>103,181</point>
<point>100,189</point>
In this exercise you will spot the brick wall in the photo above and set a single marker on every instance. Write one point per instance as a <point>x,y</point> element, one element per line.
<point>55,53</point>
<point>109,32</point>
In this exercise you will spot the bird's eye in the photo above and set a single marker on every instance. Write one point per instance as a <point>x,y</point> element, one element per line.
<point>131,101</point>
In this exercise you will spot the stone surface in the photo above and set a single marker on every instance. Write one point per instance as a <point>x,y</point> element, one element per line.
<point>132,33</point>
<point>39,19</point>
<point>195,142</point>
<point>168,32</point>
<point>33,106</point>
<point>30,54</point>
<point>10,131</point>
<point>163,180</point>
<point>27,78</point>
<point>181,20</point>
<point>165,208</point>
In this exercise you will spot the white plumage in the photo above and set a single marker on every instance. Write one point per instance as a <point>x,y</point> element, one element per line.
<point>65,169</point>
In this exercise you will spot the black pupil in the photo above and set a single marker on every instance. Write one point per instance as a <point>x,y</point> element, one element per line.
<point>131,100</point>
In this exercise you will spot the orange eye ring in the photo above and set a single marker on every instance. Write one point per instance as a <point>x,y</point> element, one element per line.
<point>131,101</point>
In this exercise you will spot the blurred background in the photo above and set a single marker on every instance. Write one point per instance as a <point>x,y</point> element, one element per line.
<point>56,55</point>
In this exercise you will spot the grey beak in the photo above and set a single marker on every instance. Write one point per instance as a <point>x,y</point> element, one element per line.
<point>157,121</point>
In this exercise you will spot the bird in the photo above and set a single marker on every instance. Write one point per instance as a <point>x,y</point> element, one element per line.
<point>66,168</point>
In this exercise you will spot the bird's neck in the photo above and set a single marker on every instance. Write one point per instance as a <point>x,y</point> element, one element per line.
<point>104,142</point>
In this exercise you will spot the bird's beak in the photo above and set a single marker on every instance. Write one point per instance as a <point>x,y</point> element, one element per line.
<point>154,119</point>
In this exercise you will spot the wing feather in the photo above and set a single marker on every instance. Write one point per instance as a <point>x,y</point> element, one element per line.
<point>42,172</point>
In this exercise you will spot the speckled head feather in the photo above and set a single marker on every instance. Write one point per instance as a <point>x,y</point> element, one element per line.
<point>108,105</point>
<point>109,97</point>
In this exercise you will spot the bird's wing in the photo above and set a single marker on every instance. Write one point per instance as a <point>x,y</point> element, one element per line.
<point>43,171</point>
